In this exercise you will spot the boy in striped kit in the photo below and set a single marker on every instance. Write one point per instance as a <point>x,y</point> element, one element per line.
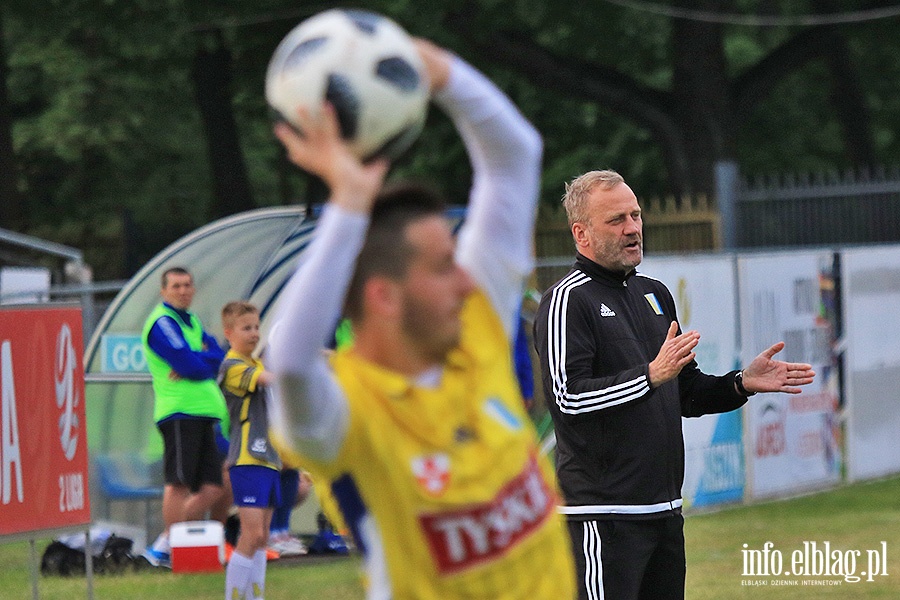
<point>253,464</point>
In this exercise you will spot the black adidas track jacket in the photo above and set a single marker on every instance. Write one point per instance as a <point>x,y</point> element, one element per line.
<point>620,450</point>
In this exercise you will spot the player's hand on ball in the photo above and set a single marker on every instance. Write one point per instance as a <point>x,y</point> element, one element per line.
<point>437,63</point>
<point>322,152</point>
<point>366,65</point>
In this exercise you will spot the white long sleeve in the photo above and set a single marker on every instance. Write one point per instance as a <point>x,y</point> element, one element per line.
<point>495,243</point>
<point>494,247</point>
<point>309,407</point>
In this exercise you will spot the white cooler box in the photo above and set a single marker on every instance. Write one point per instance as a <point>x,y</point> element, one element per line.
<point>197,546</point>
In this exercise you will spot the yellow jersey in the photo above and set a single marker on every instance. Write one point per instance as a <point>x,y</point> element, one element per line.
<point>463,502</point>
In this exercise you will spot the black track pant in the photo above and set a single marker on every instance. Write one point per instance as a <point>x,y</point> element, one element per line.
<point>629,560</point>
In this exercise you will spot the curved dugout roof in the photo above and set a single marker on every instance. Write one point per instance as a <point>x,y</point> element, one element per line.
<point>248,256</point>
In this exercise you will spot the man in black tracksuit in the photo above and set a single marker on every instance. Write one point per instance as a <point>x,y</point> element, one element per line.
<point>618,375</point>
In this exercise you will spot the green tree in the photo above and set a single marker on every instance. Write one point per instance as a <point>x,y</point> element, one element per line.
<point>12,209</point>
<point>691,84</point>
<point>127,123</point>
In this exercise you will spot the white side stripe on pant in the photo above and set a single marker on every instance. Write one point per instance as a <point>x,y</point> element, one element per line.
<point>593,566</point>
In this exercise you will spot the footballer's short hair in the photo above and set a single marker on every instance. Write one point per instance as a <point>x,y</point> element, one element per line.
<point>386,250</point>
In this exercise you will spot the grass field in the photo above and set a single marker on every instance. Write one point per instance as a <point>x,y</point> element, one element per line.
<point>857,517</point>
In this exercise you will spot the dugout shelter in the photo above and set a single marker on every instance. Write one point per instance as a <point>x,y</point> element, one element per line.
<point>248,256</point>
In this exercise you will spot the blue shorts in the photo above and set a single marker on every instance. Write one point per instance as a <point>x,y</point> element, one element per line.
<point>255,486</point>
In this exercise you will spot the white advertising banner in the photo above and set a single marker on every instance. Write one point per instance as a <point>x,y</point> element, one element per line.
<point>703,288</point>
<point>791,438</point>
<point>871,303</point>
<point>24,285</point>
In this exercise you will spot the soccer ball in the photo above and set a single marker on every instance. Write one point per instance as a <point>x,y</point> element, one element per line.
<point>366,66</point>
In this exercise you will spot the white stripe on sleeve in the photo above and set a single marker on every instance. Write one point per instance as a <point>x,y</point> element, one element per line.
<point>592,400</point>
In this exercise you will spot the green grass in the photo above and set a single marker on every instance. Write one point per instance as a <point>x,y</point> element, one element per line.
<point>856,517</point>
<point>295,579</point>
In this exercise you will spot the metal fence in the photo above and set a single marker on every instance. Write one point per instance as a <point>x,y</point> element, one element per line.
<point>857,206</point>
<point>689,225</point>
<point>669,226</point>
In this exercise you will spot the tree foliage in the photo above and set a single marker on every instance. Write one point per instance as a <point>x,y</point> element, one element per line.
<point>124,124</point>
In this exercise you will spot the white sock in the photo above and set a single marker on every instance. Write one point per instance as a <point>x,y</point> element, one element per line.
<point>237,577</point>
<point>162,543</point>
<point>258,577</point>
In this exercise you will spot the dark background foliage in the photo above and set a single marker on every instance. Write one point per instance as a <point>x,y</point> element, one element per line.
<point>125,124</point>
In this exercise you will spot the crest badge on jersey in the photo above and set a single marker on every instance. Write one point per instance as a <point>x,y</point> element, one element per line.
<point>432,472</point>
<point>654,303</point>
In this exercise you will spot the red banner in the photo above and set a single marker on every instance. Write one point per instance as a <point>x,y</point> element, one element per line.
<point>43,446</point>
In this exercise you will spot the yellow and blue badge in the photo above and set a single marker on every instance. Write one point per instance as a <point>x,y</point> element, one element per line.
<point>654,303</point>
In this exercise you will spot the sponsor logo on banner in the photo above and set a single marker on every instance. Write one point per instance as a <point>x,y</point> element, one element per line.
<point>723,473</point>
<point>683,301</point>
<point>724,468</point>
<point>122,353</point>
<point>484,532</point>
<point>771,438</point>
<point>41,369</point>
<point>10,453</point>
<point>66,396</point>
<point>432,472</point>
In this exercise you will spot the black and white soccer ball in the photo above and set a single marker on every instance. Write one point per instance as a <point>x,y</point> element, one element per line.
<point>366,66</point>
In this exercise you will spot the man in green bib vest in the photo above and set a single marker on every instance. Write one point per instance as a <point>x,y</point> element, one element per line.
<point>184,361</point>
